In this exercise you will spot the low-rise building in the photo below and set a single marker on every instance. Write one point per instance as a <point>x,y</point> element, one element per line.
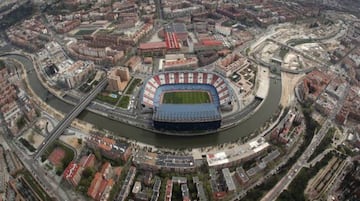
<point>241,176</point>
<point>72,173</point>
<point>168,163</point>
<point>74,74</point>
<point>236,155</point>
<point>230,64</point>
<point>179,64</point>
<point>229,182</point>
<point>200,189</point>
<point>99,187</point>
<point>168,191</point>
<point>125,189</point>
<point>113,149</point>
<point>185,192</point>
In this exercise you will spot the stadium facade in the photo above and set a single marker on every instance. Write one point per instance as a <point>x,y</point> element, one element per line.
<point>199,116</point>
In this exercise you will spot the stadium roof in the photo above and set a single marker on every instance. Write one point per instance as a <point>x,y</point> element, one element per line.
<point>187,113</point>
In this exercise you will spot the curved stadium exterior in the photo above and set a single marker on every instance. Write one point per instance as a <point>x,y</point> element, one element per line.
<point>199,116</point>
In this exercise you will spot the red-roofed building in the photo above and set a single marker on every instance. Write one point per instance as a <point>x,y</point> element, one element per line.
<point>179,64</point>
<point>99,185</point>
<point>72,173</point>
<point>110,148</point>
<point>211,42</point>
<point>152,48</point>
<point>87,161</point>
<point>94,186</point>
<point>171,41</point>
<point>168,191</point>
<point>107,171</point>
<point>208,44</point>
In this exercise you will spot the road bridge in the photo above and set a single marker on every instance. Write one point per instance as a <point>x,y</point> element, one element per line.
<point>66,121</point>
<point>318,61</point>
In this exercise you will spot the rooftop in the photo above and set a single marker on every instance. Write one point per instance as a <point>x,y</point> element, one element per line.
<point>152,45</point>
<point>187,113</point>
<point>236,153</point>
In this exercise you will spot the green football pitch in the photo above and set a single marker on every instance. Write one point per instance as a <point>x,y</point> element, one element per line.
<point>186,97</point>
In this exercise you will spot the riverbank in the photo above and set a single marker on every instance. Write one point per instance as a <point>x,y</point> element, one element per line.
<point>125,131</point>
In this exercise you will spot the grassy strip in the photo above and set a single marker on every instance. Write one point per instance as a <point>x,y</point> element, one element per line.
<point>324,144</point>
<point>124,102</point>
<point>295,191</point>
<point>131,88</point>
<point>107,99</point>
<point>35,186</point>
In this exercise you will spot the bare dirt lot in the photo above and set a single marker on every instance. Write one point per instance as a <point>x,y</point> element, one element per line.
<point>289,82</point>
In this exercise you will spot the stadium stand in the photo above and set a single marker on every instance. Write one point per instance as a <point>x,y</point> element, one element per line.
<point>204,116</point>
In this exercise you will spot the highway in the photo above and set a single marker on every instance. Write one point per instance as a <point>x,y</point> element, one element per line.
<point>66,121</point>
<point>295,169</point>
<point>302,161</point>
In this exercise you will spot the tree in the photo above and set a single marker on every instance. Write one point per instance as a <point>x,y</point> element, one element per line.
<point>88,172</point>
<point>97,155</point>
<point>79,140</point>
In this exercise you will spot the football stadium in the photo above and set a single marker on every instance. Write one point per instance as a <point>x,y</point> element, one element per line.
<point>186,101</point>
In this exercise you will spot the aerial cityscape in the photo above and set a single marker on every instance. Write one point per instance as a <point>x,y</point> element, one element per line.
<point>192,100</point>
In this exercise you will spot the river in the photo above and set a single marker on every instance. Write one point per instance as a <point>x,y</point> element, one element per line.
<point>245,128</point>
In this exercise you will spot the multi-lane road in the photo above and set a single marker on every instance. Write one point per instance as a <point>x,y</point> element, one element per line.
<point>66,121</point>
<point>295,169</point>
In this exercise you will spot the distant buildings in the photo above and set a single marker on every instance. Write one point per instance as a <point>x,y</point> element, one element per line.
<point>99,55</point>
<point>13,105</point>
<point>118,78</point>
<point>31,34</point>
<point>176,9</point>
